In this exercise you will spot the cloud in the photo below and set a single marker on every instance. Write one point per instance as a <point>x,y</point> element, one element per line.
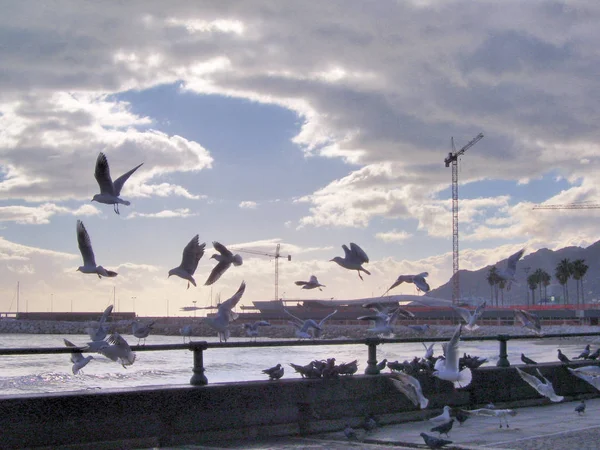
<point>164,214</point>
<point>36,215</point>
<point>393,236</point>
<point>248,205</point>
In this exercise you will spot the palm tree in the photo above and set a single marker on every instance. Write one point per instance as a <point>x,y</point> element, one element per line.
<point>539,275</point>
<point>532,284</point>
<point>492,279</point>
<point>579,270</point>
<point>501,286</point>
<point>546,278</point>
<point>564,270</point>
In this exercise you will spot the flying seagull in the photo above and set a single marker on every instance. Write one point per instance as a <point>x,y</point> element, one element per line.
<point>489,412</point>
<point>252,328</point>
<point>543,386</point>
<point>99,333</point>
<point>418,280</point>
<point>509,273</point>
<point>79,361</point>
<point>225,314</point>
<point>529,320</point>
<point>447,369</point>
<point>225,259</point>
<point>385,321</point>
<point>353,259</point>
<point>592,378</point>
<point>87,253</point>
<point>192,253</point>
<point>470,317</point>
<point>118,350</point>
<point>302,326</point>
<point>410,387</point>
<point>109,189</point>
<point>310,284</point>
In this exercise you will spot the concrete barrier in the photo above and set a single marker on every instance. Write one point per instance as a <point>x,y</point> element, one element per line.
<point>176,415</point>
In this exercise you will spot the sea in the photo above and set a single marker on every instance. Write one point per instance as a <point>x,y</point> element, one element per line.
<point>33,374</point>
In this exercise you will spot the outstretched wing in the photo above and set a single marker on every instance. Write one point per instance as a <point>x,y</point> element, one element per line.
<point>222,249</point>
<point>531,380</point>
<point>227,306</point>
<point>300,283</point>
<point>102,175</point>
<point>85,245</point>
<point>464,313</point>
<point>217,271</point>
<point>297,321</point>
<point>119,182</point>
<point>326,317</point>
<point>359,252</point>
<point>479,310</point>
<point>511,265</point>
<point>451,351</point>
<point>105,314</point>
<point>192,253</point>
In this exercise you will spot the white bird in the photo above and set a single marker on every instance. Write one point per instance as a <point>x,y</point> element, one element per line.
<point>303,326</point>
<point>418,280</point>
<point>428,350</point>
<point>384,321</point>
<point>447,369</point>
<point>225,314</point>
<point>543,386</point>
<point>118,350</point>
<point>109,190</point>
<point>353,259</point>
<point>410,387</point>
<point>252,328</point>
<point>186,331</point>
<point>89,261</point>
<point>192,253</point>
<point>141,331</point>
<point>470,317</point>
<point>310,284</point>
<point>487,412</point>
<point>509,273</point>
<point>442,418</point>
<point>79,361</point>
<point>529,320</point>
<point>99,332</point>
<point>591,377</point>
<point>589,370</point>
<point>225,259</point>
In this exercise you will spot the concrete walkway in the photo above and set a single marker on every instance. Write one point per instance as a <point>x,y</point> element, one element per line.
<point>551,427</point>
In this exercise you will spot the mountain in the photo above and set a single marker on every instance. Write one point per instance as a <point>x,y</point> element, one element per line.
<point>474,285</point>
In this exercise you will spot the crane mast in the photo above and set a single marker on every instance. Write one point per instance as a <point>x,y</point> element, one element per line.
<point>452,159</point>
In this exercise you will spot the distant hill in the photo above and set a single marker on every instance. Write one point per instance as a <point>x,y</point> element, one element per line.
<point>474,285</point>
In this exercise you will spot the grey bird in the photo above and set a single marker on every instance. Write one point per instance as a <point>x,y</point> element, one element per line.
<point>99,332</point>
<point>585,353</point>
<point>225,314</point>
<point>563,358</point>
<point>443,428</point>
<point>304,326</point>
<point>418,280</point>
<point>192,253</point>
<point>225,259</point>
<point>141,330</point>
<point>433,442</point>
<point>110,190</point>
<point>580,409</point>
<point>312,283</point>
<point>79,361</point>
<point>594,355</point>
<point>275,373</point>
<point>87,253</point>
<point>420,329</point>
<point>470,317</point>
<point>353,259</point>
<point>118,350</point>
<point>410,387</point>
<point>384,320</point>
<point>252,328</point>
<point>442,418</point>
<point>593,378</point>
<point>509,273</point>
<point>499,413</point>
<point>543,385</point>
<point>527,360</point>
<point>528,320</point>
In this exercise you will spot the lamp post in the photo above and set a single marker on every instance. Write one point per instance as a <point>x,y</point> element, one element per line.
<point>133,300</point>
<point>194,302</point>
<point>51,302</point>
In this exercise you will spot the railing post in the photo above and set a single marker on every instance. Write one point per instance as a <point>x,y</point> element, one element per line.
<point>198,379</point>
<point>372,369</point>
<point>503,356</point>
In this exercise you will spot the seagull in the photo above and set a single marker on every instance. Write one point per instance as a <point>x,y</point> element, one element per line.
<point>310,284</point>
<point>141,331</point>
<point>89,261</point>
<point>442,418</point>
<point>418,280</point>
<point>589,377</point>
<point>109,190</point>
<point>118,350</point>
<point>275,373</point>
<point>580,409</point>
<point>527,360</point>
<point>384,323</point>
<point>543,386</point>
<point>433,442</point>
<point>302,326</point>
<point>252,328</point>
<point>99,333</point>
<point>447,369</point>
<point>590,370</point>
<point>410,387</point>
<point>529,320</point>
<point>487,412</point>
<point>186,331</point>
<point>585,353</point>
<point>192,253</point>
<point>428,350</point>
<point>79,361</point>
<point>509,273</point>
<point>226,259</point>
<point>353,259</point>
<point>562,357</point>
<point>443,428</point>
<point>470,318</point>
<point>420,329</point>
<point>225,314</point>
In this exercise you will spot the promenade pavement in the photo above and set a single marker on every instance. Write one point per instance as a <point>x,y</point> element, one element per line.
<point>554,426</point>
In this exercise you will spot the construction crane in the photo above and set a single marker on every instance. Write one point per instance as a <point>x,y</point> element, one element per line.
<point>569,206</point>
<point>275,255</point>
<point>452,158</point>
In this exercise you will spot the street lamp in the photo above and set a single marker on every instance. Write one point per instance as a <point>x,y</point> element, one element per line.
<point>133,299</point>
<point>194,302</point>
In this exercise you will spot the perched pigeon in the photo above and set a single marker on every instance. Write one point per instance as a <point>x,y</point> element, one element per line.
<point>461,416</point>
<point>110,190</point>
<point>192,253</point>
<point>353,259</point>
<point>443,428</point>
<point>370,424</point>
<point>275,373</point>
<point>433,442</point>
<point>585,353</point>
<point>527,360</point>
<point>350,433</point>
<point>580,409</point>
<point>225,259</point>
<point>562,357</point>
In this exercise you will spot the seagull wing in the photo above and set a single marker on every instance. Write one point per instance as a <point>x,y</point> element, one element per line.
<point>217,271</point>
<point>309,323</point>
<point>480,412</point>
<point>347,252</point>
<point>192,253</point>
<point>479,309</point>
<point>222,249</point>
<point>375,306</point>
<point>464,313</point>
<point>420,282</point>
<point>105,314</point>
<point>379,319</point>
<point>451,352</point>
<point>410,387</point>
<point>313,280</point>
<point>297,321</point>
<point>102,175</point>
<point>511,265</point>
<point>531,380</point>
<point>119,182</point>
<point>231,303</point>
<point>393,317</point>
<point>359,252</point>
<point>326,317</point>
<point>300,283</point>
<point>85,245</point>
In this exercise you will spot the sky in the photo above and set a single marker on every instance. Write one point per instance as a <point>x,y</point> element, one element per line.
<point>304,124</point>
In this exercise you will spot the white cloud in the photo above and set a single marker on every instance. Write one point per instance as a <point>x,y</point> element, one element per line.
<point>36,215</point>
<point>393,236</point>
<point>248,205</point>
<point>164,214</point>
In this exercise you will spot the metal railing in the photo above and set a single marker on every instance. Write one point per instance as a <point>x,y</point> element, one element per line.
<point>199,347</point>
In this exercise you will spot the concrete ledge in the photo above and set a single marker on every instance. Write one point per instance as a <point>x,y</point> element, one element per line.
<point>175,415</point>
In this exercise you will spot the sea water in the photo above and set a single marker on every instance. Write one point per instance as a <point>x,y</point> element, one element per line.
<point>52,373</point>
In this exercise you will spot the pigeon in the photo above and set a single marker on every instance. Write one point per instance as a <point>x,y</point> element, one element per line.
<point>350,433</point>
<point>527,360</point>
<point>433,442</point>
<point>509,273</point>
<point>275,373</point>
<point>410,387</point>
<point>225,314</point>
<point>468,317</point>
<point>348,368</point>
<point>353,259</point>
<point>562,357</point>
<point>79,361</point>
<point>302,326</point>
<point>442,418</point>
<point>443,428</point>
<point>585,353</point>
<point>589,377</point>
<point>487,412</point>
<point>225,259</point>
<point>192,253</point>
<point>141,331</point>
<point>381,364</point>
<point>312,283</point>
<point>529,320</point>
<point>118,350</point>
<point>447,369</point>
<point>98,333</point>
<point>594,355</point>
<point>418,280</point>
<point>109,189</point>
<point>87,253</point>
<point>252,328</point>
<point>461,416</point>
<point>580,409</point>
<point>543,386</point>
